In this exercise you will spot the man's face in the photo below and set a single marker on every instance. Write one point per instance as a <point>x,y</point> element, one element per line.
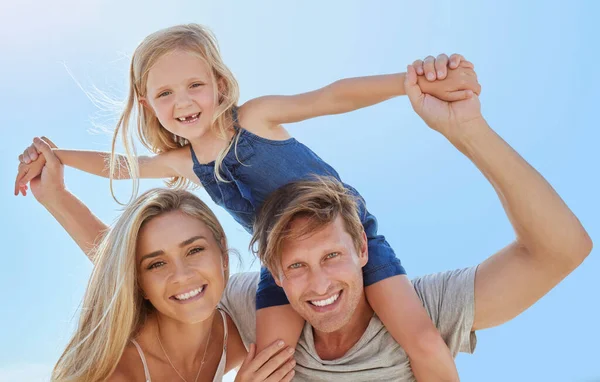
<point>321,274</point>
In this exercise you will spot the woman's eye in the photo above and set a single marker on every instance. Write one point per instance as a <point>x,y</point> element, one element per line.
<point>295,266</point>
<point>195,250</point>
<point>156,265</point>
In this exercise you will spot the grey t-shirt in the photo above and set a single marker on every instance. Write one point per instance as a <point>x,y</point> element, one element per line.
<point>448,297</point>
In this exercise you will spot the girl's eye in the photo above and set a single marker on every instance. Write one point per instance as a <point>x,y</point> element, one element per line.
<point>158,264</point>
<point>195,250</point>
<point>196,85</point>
<point>164,94</point>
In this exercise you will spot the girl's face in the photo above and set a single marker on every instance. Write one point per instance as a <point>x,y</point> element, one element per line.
<point>180,91</point>
<point>181,269</point>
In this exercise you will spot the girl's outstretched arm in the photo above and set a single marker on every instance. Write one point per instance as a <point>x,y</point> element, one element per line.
<point>355,93</point>
<point>170,164</point>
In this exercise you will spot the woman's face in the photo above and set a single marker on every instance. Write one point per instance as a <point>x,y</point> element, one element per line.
<point>181,268</point>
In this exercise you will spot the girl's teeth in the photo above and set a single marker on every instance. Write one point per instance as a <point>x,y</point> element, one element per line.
<point>191,117</point>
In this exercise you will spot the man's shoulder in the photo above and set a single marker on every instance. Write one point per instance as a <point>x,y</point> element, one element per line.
<point>239,302</point>
<point>449,299</point>
<point>240,289</point>
<point>441,282</point>
<point>239,281</point>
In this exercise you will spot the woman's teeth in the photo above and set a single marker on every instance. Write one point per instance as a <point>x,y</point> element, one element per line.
<point>188,295</point>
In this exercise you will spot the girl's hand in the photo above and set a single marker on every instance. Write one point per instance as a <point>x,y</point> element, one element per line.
<point>31,165</point>
<point>31,154</point>
<point>273,364</point>
<point>448,118</point>
<point>437,68</point>
<point>455,77</point>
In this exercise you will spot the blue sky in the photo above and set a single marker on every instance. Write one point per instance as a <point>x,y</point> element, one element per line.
<point>536,64</point>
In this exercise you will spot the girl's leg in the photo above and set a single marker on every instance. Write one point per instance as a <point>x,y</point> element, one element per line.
<point>396,303</point>
<point>275,318</point>
<point>278,323</point>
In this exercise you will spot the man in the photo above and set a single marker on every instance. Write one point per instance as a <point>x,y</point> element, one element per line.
<point>309,236</point>
<point>316,255</point>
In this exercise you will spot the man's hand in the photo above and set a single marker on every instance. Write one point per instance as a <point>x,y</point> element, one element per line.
<point>447,78</point>
<point>448,118</point>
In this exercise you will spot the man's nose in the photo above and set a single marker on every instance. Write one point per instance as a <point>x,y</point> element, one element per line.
<point>319,281</point>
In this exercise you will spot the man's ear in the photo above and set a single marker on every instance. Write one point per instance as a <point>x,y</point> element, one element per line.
<point>277,279</point>
<point>363,256</point>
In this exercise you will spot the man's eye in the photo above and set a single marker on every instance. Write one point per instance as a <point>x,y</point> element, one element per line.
<point>332,255</point>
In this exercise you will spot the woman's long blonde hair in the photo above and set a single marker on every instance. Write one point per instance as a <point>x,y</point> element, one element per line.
<point>113,308</point>
<point>192,38</point>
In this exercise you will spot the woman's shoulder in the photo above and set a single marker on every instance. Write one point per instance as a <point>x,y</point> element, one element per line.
<point>130,366</point>
<point>119,376</point>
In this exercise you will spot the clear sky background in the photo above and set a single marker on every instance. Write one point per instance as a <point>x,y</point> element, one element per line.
<point>537,64</point>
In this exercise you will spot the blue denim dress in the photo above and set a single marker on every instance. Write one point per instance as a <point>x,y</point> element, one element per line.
<point>258,166</point>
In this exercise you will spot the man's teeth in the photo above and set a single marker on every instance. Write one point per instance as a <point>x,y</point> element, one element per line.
<point>326,302</point>
<point>189,295</point>
<point>194,116</point>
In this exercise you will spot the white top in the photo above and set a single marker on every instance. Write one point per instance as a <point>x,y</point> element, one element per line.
<point>220,369</point>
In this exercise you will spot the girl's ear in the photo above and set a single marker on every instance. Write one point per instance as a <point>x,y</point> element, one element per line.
<point>221,87</point>
<point>144,102</point>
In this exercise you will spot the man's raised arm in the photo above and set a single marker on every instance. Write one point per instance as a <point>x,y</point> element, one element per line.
<point>550,241</point>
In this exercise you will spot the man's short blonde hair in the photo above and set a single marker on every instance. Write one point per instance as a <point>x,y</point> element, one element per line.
<point>320,200</point>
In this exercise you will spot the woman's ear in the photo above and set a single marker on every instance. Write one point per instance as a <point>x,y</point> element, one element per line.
<point>225,257</point>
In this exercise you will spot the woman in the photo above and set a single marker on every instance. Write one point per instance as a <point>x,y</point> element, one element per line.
<point>150,311</point>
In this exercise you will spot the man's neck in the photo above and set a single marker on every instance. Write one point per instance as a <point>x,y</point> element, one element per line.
<point>334,345</point>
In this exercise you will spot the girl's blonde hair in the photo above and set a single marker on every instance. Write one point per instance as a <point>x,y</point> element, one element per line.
<point>113,307</point>
<point>192,38</point>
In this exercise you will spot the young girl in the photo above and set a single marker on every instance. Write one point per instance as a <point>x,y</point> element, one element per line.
<point>184,100</point>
